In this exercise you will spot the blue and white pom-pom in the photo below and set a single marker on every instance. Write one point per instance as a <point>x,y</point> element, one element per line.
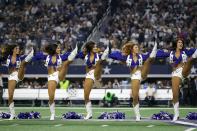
<point>4,115</point>
<point>29,115</point>
<point>72,115</point>
<point>192,116</point>
<point>162,116</point>
<point>112,115</point>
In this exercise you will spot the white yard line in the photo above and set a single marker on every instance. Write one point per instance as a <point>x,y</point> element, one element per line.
<point>150,125</point>
<point>58,125</point>
<point>190,129</point>
<point>104,125</point>
<point>14,125</point>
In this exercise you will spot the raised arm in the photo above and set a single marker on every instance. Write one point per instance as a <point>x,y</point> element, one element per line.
<point>64,56</point>
<point>190,52</point>
<point>80,55</point>
<point>161,54</point>
<point>117,55</point>
<point>39,56</point>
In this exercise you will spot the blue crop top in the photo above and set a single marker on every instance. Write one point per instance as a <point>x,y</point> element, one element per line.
<point>17,63</point>
<point>89,63</point>
<point>173,59</point>
<point>48,59</point>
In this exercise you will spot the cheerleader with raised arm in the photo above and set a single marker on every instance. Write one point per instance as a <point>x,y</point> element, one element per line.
<point>57,66</point>
<point>139,65</point>
<point>93,61</point>
<point>16,64</point>
<point>181,60</point>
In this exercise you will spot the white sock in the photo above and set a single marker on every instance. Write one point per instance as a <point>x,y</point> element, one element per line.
<point>105,53</point>
<point>29,56</point>
<point>73,54</point>
<point>89,108</point>
<point>11,108</point>
<point>195,54</point>
<point>154,51</point>
<point>176,109</point>
<point>136,109</point>
<point>52,108</point>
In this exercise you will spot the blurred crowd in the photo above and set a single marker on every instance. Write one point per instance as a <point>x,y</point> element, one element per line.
<point>36,22</point>
<point>147,21</point>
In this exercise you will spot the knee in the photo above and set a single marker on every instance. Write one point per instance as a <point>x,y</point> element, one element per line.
<point>51,98</point>
<point>10,97</point>
<point>144,77</point>
<point>135,98</point>
<point>86,97</point>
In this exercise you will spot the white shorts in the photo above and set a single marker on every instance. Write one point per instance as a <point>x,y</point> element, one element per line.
<point>137,75</point>
<point>54,76</point>
<point>90,75</point>
<point>14,76</point>
<point>178,72</point>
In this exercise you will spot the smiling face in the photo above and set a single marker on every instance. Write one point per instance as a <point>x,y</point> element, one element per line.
<point>58,49</point>
<point>16,50</point>
<point>135,49</point>
<point>94,49</point>
<point>179,45</point>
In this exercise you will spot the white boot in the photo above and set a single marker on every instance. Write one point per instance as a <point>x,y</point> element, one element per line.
<point>73,54</point>
<point>29,56</point>
<point>195,54</point>
<point>52,110</point>
<point>89,111</point>
<point>105,53</point>
<point>176,111</point>
<point>137,112</point>
<point>154,51</point>
<point>12,111</point>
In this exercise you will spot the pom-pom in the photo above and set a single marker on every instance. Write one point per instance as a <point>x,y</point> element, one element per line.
<point>162,116</point>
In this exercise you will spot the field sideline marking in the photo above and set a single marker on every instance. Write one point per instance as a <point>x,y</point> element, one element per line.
<point>99,108</point>
<point>190,129</point>
<point>185,123</point>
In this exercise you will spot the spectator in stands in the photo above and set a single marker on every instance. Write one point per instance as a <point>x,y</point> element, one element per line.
<point>116,84</point>
<point>16,64</point>
<point>110,100</point>
<point>193,91</point>
<point>64,84</point>
<point>150,95</point>
<point>57,65</point>
<point>93,62</point>
<point>139,65</point>
<point>1,89</point>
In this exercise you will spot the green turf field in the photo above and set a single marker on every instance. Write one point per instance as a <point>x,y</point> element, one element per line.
<point>129,124</point>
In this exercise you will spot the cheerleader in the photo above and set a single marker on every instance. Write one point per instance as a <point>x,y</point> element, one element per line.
<point>16,64</point>
<point>57,66</point>
<point>93,61</point>
<point>181,60</point>
<point>139,68</point>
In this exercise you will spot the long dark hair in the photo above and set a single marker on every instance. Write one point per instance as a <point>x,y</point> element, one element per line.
<point>9,49</point>
<point>51,49</point>
<point>174,43</point>
<point>89,46</point>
